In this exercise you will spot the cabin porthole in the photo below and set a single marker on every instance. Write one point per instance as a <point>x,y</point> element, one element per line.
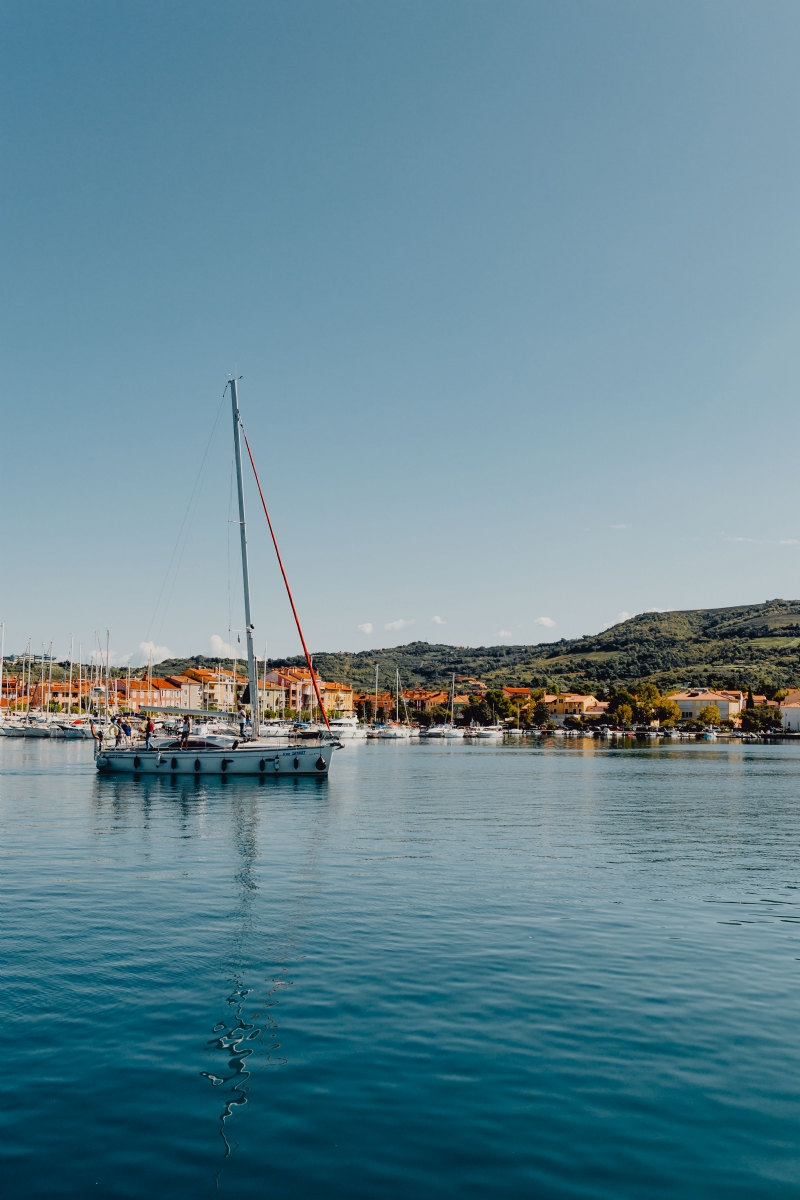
<point>174,764</point>
<point>296,763</point>
<point>320,763</point>
<point>137,762</point>
<point>197,764</point>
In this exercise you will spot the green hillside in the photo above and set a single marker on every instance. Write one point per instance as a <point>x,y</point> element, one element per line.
<point>741,646</point>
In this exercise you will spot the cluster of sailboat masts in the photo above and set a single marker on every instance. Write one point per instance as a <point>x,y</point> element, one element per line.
<point>33,677</point>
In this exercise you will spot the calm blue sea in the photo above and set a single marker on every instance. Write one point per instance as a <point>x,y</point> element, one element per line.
<point>448,971</point>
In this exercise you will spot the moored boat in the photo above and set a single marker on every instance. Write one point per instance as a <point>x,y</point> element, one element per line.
<point>250,758</point>
<point>347,728</point>
<point>219,753</point>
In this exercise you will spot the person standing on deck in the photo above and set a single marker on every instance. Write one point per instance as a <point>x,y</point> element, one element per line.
<point>187,729</point>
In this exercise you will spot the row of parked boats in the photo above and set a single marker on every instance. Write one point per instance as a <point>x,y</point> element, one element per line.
<point>221,732</point>
<point>37,725</point>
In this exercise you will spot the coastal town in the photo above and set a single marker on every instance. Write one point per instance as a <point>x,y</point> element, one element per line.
<point>288,693</point>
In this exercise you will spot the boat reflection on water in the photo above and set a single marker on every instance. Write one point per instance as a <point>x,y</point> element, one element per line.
<point>245,1039</point>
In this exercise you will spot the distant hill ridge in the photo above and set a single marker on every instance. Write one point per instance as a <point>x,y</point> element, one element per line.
<point>741,646</point>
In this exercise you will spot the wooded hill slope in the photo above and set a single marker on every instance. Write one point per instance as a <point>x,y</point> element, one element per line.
<point>746,645</point>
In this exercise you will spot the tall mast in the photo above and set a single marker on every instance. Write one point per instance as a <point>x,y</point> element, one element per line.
<point>2,655</point>
<point>251,661</point>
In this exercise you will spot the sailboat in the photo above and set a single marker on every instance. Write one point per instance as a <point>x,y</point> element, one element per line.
<point>397,731</point>
<point>449,729</point>
<point>224,756</point>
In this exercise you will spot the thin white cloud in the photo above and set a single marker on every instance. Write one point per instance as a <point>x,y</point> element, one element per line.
<point>366,627</point>
<point>548,622</point>
<point>619,527</point>
<point>219,648</point>
<point>115,659</point>
<point>438,621</point>
<point>158,652</point>
<point>789,542</point>
<point>504,633</point>
<point>623,616</point>
<point>393,626</point>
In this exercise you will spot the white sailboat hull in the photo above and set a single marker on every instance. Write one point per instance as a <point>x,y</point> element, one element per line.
<point>257,759</point>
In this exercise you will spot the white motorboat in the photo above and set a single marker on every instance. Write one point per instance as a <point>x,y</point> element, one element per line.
<point>219,753</point>
<point>489,731</point>
<point>347,728</point>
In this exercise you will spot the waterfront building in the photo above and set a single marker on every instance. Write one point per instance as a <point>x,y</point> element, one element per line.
<point>790,714</point>
<point>270,696</point>
<point>141,692</point>
<point>297,692</point>
<point>219,688</point>
<point>690,703</point>
<point>338,699</point>
<point>384,705</point>
<point>570,704</point>
<point>474,687</point>
<point>420,700</point>
<point>295,686</point>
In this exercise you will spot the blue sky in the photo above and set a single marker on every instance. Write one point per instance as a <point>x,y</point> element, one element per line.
<point>513,289</point>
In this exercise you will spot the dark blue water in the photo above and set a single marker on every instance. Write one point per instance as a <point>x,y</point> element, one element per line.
<point>446,972</point>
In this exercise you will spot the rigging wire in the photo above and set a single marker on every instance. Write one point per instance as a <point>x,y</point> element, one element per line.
<point>285,580</point>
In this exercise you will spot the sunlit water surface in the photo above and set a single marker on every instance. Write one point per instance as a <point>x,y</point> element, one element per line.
<point>448,971</point>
